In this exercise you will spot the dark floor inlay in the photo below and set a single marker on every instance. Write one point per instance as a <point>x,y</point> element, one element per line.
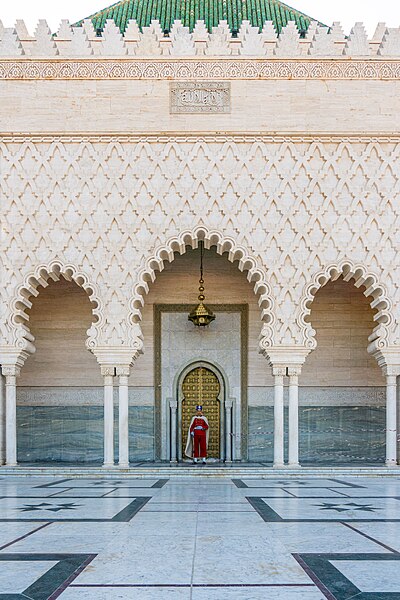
<point>52,483</point>
<point>269,515</point>
<point>48,506</point>
<point>132,509</point>
<point>50,585</point>
<point>346,506</point>
<point>108,482</point>
<point>160,483</point>
<point>264,510</point>
<point>334,585</point>
<point>239,483</point>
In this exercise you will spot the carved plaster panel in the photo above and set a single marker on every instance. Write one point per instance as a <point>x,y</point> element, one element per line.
<point>293,213</point>
<point>196,97</point>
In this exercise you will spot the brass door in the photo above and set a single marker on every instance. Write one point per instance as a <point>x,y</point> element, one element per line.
<point>201,386</point>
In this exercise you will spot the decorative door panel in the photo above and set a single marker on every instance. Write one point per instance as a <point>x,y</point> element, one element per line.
<point>201,386</point>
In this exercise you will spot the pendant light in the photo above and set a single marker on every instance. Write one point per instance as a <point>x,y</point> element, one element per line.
<point>201,316</point>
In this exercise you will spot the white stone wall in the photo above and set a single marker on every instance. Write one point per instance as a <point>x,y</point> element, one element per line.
<point>298,183</point>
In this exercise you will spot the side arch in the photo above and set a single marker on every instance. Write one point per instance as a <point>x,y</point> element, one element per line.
<point>19,319</point>
<point>211,238</point>
<point>360,276</point>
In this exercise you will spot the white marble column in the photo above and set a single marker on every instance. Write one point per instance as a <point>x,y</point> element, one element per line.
<point>2,419</point>
<point>173,404</point>
<point>294,373</point>
<point>11,373</point>
<point>123,416</point>
<point>391,420</point>
<point>228,431</point>
<point>279,373</point>
<point>108,374</point>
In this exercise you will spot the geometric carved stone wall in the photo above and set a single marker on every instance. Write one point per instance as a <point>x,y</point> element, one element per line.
<point>294,213</point>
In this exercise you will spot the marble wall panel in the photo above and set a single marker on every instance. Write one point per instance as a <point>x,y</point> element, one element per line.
<point>328,435</point>
<point>74,434</point>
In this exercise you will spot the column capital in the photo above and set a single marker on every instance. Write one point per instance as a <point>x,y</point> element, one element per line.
<point>107,371</point>
<point>294,370</point>
<point>122,370</point>
<point>278,370</point>
<point>173,404</point>
<point>11,371</point>
<point>287,355</point>
<point>388,359</point>
<point>12,357</point>
<point>112,356</point>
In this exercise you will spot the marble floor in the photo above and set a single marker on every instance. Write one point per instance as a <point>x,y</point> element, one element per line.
<point>200,538</point>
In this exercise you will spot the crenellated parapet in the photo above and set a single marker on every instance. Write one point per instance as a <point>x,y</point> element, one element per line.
<point>179,41</point>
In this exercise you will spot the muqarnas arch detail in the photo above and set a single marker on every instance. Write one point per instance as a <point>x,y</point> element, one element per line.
<point>223,244</point>
<point>19,318</point>
<point>359,276</point>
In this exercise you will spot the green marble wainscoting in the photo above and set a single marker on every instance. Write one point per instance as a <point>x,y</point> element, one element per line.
<point>64,424</point>
<point>74,434</point>
<point>328,435</point>
<point>337,425</point>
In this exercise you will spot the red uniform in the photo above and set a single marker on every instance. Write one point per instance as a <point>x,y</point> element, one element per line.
<point>200,437</point>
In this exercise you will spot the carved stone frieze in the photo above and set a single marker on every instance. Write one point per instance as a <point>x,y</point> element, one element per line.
<point>204,69</point>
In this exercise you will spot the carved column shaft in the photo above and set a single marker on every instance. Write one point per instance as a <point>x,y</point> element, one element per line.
<point>294,373</point>
<point>11,373</point>
<point>108,374</point>
<point>123,416</point>
<point>174,411</point>
<point>228,430</point>
<point>2,420</point>
<point>391,420</point>
<point>278,373</point>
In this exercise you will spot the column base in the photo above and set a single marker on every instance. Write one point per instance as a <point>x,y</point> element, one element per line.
<point>123,465</point>
<point>278,465</point>
<point>391,463</point>
<point>108,465</point>
<point>11,464</point>
<point>294,465</point>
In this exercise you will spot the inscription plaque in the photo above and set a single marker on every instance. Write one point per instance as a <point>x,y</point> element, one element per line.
<point>200,96</point>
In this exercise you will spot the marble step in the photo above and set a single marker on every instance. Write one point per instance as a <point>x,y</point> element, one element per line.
<point>246,471</point>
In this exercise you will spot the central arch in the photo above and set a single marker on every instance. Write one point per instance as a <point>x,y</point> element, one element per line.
<point>224,245</point>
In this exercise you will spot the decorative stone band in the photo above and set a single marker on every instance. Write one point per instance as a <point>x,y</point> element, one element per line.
<point>199,69</point>
<point>168,138</point>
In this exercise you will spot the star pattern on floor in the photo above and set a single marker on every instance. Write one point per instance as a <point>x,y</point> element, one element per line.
<point>283,482</point>
<point>107,482</point>
<point>344,507</point>
<point>49,506</point>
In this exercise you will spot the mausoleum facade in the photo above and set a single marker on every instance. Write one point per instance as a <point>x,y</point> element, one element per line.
<point>133,144</point>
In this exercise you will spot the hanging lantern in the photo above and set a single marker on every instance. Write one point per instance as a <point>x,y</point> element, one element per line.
<point>201,316</point>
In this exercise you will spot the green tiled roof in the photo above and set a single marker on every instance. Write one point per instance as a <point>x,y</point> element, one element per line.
<point>190,11</point>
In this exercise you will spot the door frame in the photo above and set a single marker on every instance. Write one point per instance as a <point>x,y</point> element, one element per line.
<point>159,430</point>
<point>217,371</point>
